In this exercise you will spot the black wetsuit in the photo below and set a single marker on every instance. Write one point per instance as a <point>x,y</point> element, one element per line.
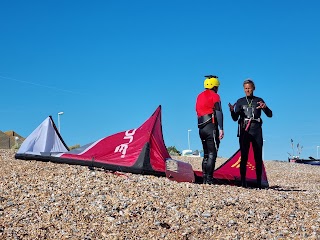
<point>250,131</point>
<point>210,119</point>
<point>209,134</point>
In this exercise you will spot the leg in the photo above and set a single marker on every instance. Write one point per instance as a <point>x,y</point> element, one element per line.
<point>213,145</point>
<point>210,167</point>
<point>209,160</point>
<point>204,168</point>
<point>205,157</point>
<point>244,141</point>
<point>257,145</point>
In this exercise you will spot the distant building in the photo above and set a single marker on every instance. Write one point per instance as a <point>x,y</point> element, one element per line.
<point>10,139</point>
<point>190,153</point>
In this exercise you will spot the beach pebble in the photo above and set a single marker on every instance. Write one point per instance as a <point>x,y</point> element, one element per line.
<point>44,200</point>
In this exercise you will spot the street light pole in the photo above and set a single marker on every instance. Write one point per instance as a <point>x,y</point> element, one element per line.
<point>16,141</point>
<point>189,130</point>
<point>59,113</point>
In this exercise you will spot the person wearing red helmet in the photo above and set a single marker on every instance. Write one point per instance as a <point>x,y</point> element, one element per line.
<point>210,124</point>
<point>247,111</point>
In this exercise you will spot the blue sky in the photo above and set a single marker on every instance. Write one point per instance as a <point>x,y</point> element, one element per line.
<point>109,64</point>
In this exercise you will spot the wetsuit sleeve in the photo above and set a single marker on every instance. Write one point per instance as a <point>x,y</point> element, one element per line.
<point>235,114</point>
<point>219,114</point>
<point>267,110</point>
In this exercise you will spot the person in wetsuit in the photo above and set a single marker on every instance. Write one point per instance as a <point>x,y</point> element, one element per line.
<point>210,124</point>
<point>247,111</point>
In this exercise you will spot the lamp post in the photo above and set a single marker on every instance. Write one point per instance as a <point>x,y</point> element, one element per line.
<point>16,141</point>
<point>59,113</point>
<point>318,152</point>
<point>189,130</point>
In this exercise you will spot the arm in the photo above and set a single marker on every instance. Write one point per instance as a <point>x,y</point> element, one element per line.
<point>219,116</point>
<point>234,115</point>
<point>265,109</point>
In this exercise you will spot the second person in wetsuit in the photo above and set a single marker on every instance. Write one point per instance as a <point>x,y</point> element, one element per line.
<point>210,120</point>
<point>247,111</point>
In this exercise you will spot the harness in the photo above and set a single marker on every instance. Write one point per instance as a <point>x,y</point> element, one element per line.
<point>203,120</point>
<point>247,122</point>
<point>248,118</point>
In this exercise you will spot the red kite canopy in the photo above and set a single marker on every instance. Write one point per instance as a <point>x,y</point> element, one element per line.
<point>139,150</point>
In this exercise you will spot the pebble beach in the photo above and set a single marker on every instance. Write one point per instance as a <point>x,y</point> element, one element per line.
<point>44,200</point>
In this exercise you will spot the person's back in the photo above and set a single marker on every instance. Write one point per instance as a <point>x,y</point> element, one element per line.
<point>210,119</point>
<point>206,101</point>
